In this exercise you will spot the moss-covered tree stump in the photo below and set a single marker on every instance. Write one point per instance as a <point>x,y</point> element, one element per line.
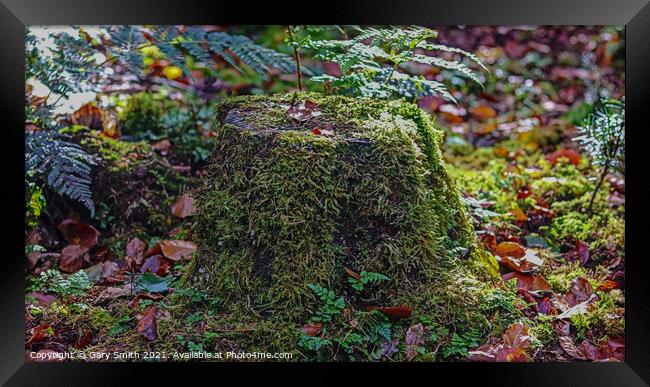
<point>304,189</point>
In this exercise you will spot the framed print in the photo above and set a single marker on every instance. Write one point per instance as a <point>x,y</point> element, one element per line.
<point>435,187</point>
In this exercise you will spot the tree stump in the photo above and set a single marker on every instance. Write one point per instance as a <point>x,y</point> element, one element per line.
<point>307,189</point>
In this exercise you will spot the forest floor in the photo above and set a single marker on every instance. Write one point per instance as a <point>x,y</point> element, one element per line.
<point>509,146</point>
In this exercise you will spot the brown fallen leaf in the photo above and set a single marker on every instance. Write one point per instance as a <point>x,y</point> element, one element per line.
<point>526,264</point>
<point>312,329</point>
<point>580,308</point>
<point>76,233</point>
<point>176,249</point>
<point>416,336</point>
<point>529,282</point>
<point>509,249</point>
<point>514,346</point>
<point>570,348</point>
<point>147,325</point>
<point>156,264</point>
<point>39,334</point>
<point>396,312</point>
<point>564,153</point>
<point>89,116</point>
<point>483,112</point>
<point>114,292</point>
<point>352,273</point>
<point>72,258</point>
<point>135,249</point>
<point>579,291</point>
<point>607,285</point>
<point>184,206</point>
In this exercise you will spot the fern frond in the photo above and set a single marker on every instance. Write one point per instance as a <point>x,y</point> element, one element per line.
<point>64,166</point>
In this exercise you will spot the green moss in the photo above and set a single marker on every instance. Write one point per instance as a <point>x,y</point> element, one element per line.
<point>603,316</point>
<point>542,330</point>
<point>282,208</point>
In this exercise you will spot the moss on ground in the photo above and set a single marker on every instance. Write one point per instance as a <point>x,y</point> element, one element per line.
<point>302,186</point>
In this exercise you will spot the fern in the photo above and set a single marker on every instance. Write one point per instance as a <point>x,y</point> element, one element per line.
<point>366,277</point>
<point>124,45</point>
<point>371,63</point>
<point>603,136</point>
<point>64,166</point>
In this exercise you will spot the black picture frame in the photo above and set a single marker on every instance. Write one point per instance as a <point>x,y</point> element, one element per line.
<point>634,14</point>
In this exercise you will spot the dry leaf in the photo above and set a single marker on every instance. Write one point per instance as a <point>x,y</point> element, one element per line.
<point>184,206</point>
<point>177,249</point>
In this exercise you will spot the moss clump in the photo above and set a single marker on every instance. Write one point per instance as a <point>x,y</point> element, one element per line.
<point>143,185</point>
<point>301,186</point>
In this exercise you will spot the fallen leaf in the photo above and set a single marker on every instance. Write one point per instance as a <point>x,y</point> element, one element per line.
<point>39,333</point>
<point>528,263</point>
<point>416,336</point>
<point>509,249</point>
<point>352,273</point>
<point>176,249</point>
<point>184,206</point>
<point>564,153</point>
<point>156,264</point>
<point>76,233</point>
<point>147,326</point>
<point>72,258</point>
<point>41,298</point>
<point>114,292</point>
<point>519,214</point>
<point>89,116</point>
<point>389,348</point>
<point>570,348</point>
<point>312,329</point>
<point>580,308</point>
<point>530,282</point>
<point>304,110</point>
<point>580,290</point>
<point>396,312</point>
<point>162,146</point>
<point>134,251</point>
<point>607,285</point>
<point>514,346</point>
<point>483,112</point>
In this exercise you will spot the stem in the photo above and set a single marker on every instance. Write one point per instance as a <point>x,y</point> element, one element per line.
<point>297,57</point>
<point>600,182</point>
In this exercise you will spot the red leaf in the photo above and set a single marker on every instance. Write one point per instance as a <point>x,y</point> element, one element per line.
<point>39,334</point>
<point>564,153</point>
<point>316,131</point>
<point>78,233</point>
<point>530,282</point>
<point>184,206</point>
<point>607,285</point>
<point>312,329</point>
<point>177,249</point>
<point>524,193</point>
<point>72,258</point>
<point>395,312</point>
<point>147,325</point>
